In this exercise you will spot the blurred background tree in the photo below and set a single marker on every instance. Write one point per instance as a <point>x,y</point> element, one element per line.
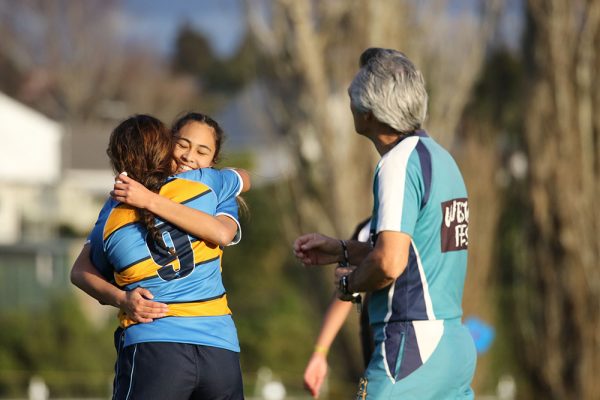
<point>58,343</point>
<point>75,67</point>
<point>217,78</point>
<point>557,304</point>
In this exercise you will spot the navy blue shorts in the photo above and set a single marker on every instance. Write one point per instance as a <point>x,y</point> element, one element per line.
<point>164,371</point>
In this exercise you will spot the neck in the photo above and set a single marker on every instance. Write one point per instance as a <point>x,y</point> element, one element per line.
<point>386,141</point>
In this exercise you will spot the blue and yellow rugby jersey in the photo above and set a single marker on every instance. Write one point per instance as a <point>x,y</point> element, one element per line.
<point>419,190</point>
<point>190,281</point>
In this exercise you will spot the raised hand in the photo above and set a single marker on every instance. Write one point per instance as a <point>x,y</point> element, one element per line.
<point>317,249</point>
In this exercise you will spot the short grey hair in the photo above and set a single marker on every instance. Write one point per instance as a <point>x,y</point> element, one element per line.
<point>390,86</point>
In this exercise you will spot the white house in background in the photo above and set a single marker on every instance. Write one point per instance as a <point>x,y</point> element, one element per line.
<point>51,176</point>
<point>30,151</point>
<point>86,177</point>
<point>30,164</point>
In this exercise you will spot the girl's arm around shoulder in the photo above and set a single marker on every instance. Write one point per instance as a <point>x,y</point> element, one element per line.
<point>237,178</point>
<point>195,222</point>
<point>245,177</point>
<point>234,182</point>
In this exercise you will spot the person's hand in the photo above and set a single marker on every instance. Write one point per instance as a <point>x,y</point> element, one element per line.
<point>139,307</point>
<point>315,373</point>
<point>129,191</point>
<point>317,249</point>
<point>338,274</point>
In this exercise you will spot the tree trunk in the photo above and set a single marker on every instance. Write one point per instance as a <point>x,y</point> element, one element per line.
<point>559,316</point>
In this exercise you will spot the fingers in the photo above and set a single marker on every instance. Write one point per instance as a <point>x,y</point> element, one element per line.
<point>324,244</point>
<point>304,258</point>
<point>307,246</point>
<point>119,191</point>
<point>315,373</point>
<point>342,271</point>
<point>299,253</point>
<point>145,318</point>
<point>141,306</point>
<point>312,241</point>
<point>122,182</point>
<point>144,292</point>
<point>309,241</point>
<point>124,177</point>
<point>140,320</point>
<point>315,384</point>
<point>310,385</point>
<point>148,307</point>
<point>146,314</point>
<point>299,242</point>
<point>317,387</point>
<point>122,192</point>
<point>153,314</point>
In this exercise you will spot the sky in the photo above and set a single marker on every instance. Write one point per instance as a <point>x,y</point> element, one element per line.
<point>223,24</point>
<point>221,21</point>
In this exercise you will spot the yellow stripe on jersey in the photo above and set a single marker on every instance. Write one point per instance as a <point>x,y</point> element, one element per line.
<point>147,268</point>
<point>142,270</point>
<point>208,308</point>
<point>200,309</point>
<point>182,190</point>
<point>120,216</point>
<point>178,190</point>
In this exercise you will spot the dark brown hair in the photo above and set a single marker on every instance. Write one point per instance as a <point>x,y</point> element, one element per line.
<point>143,147</point>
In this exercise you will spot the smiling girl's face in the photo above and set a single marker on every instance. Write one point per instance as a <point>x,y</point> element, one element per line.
<point>195,147</point>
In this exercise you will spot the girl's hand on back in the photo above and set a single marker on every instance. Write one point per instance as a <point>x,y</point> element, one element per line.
<point>129,191</point>
<point>138,305</point>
